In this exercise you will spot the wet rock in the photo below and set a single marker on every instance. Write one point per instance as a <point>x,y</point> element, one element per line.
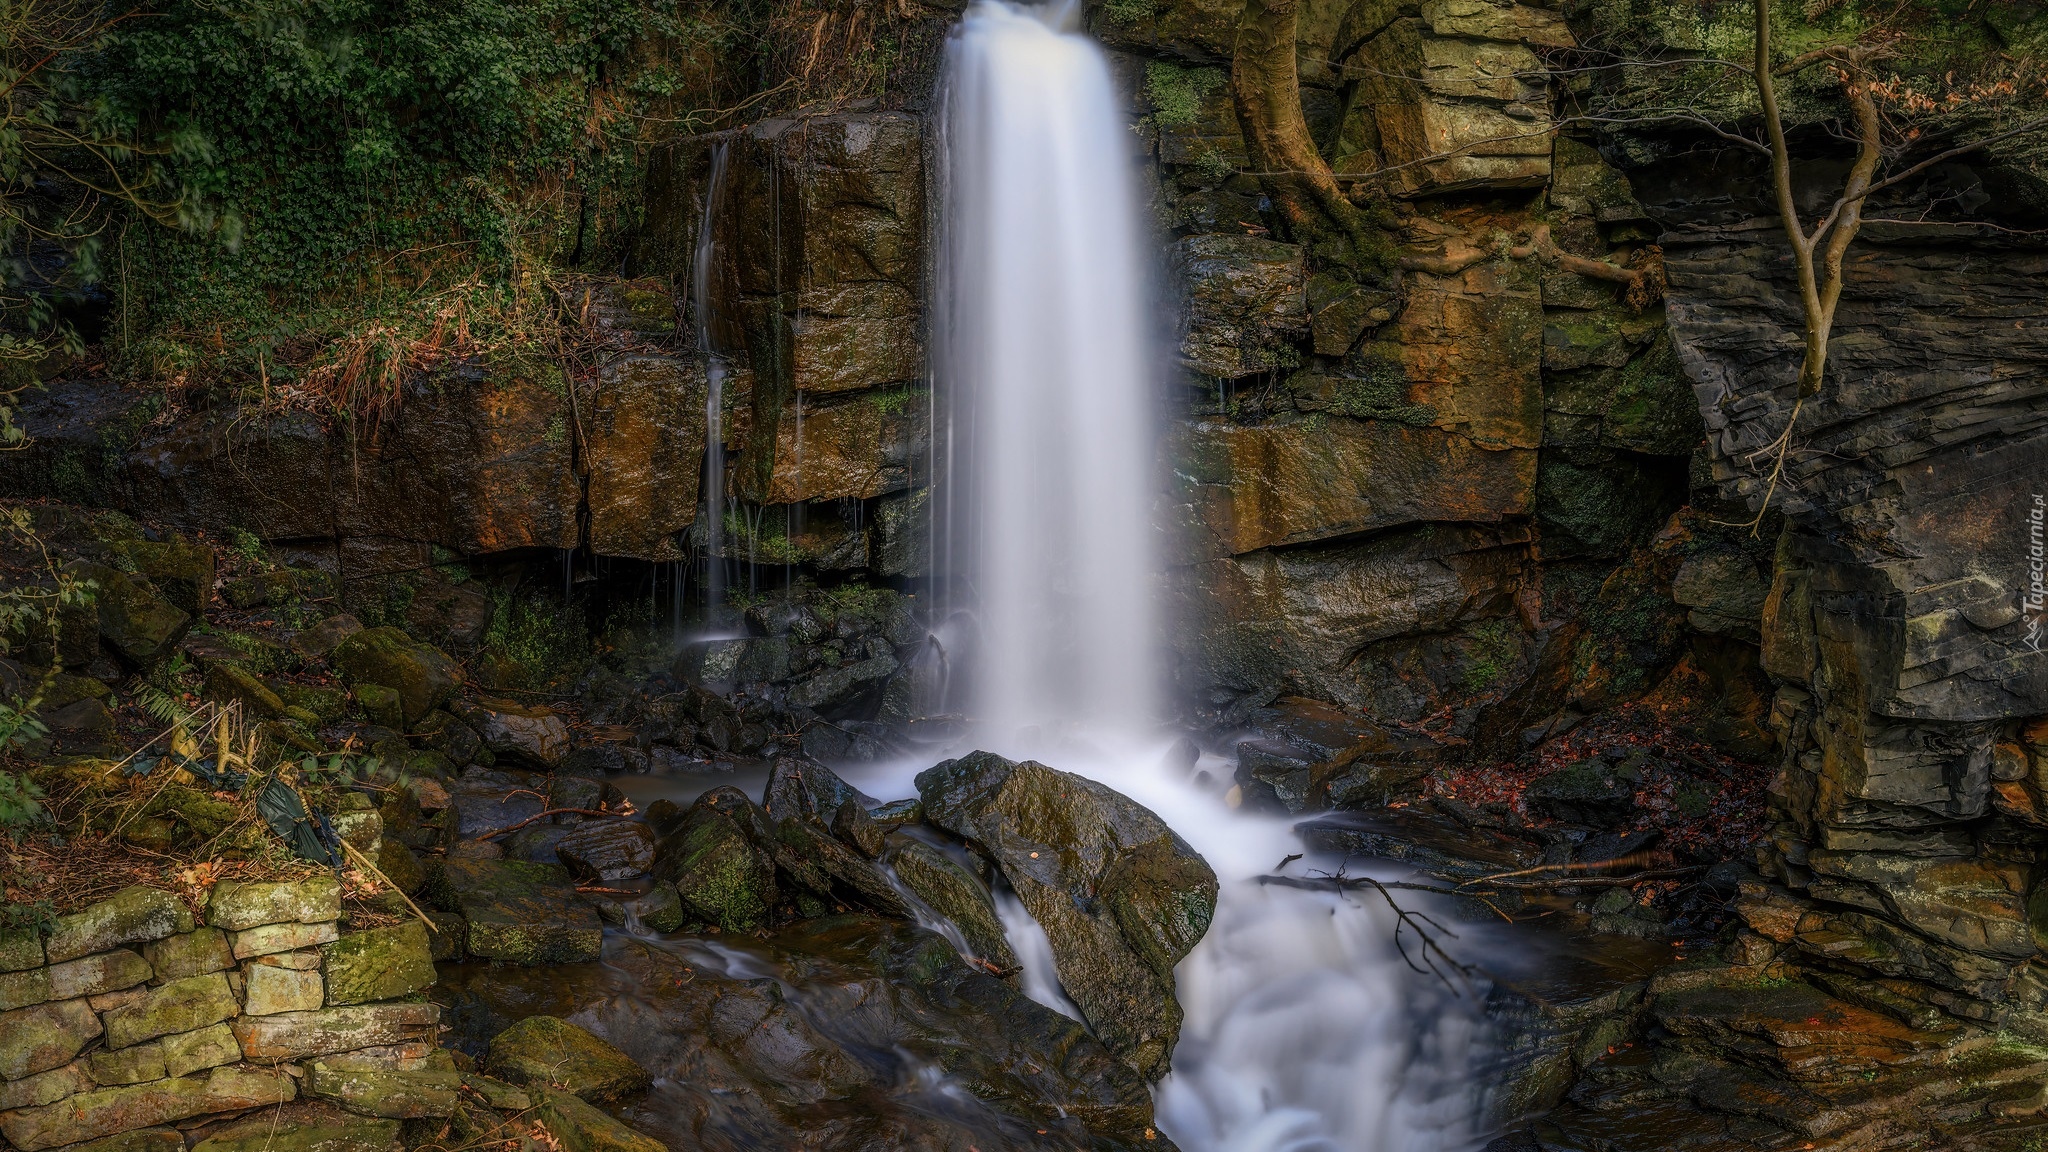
<point>645,416</point>
<point>806,790</point>
<point>235,906</point>
<point>955,893</point>
<point>578,1127</point>
<point>482,802</point>
<point>1272,781</point>
<point>1245,296</point>
<point>131,916</point>
<point>659,908</point>
<point>831,871</point>
<point>297,1035</point>
<point>855,1004</point>
<point>519,912</point>
<point>607,849</point>
<point>533,736</point>
<point>548,1052</point>
<point>1120,896</point>
<point>44,1036</point>
<point>378,964</point>
<point>536,843</point>
<point>717,863</point>
<point>91,1115</point>
<point>457,614</point>
<point>852,824</point>
<point>839,688</point>
<point>422,675</point>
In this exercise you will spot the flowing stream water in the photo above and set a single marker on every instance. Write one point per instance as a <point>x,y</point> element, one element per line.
<point>1305,1031</point>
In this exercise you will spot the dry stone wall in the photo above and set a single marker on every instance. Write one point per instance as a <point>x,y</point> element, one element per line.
<point>131,1019</point>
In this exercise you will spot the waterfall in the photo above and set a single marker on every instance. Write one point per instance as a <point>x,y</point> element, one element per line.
<point>1046,371</point>
<point>1304,1031</point>
<point>703,273</point>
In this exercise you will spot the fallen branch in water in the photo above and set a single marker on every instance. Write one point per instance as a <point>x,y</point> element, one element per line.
<point>1632,860</point>
<point>1603,881</point>
<point>545,813</point>
<point>1419,923</point>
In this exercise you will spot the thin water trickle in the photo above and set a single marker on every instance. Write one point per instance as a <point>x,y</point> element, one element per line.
<point>702,277</point>
<point>1304,1030</point>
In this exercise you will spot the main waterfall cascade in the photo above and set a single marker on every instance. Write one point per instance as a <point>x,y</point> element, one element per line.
<point>1304,1030</point>
<point>1044,485</point>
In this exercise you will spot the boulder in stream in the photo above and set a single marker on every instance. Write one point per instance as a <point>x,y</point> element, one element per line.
<point>549,1052</point>
<point>1121,897</point>
<point>717,863</point>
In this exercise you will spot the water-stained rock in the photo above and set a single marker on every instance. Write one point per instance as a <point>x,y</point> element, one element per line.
<point>951,891</point>
<point>1121,897</point>
<point>531,735</point>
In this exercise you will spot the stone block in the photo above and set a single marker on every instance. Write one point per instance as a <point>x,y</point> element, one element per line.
<point>189,1052</point>
<point>193,953</point>
<point>21,948</point>
<point>381,964</point>
<point>91,1115</point>
<point>268,989</point>
<point>393,1094</point>
<point>608,849</point>
<point>92,975</point>
<point>136,1140</point>
<point>180,1006</point>
<point>133,1065</point>
<point>46,1087</point>
<point>272,938</point>
<point>131,916</point>
<point>546,1051</point>
<point>302,1127</point>
<point>21,989</point>
<point>296,1035</point>
<point>106,1002</point>
<point>42,1037</point>
<point>305,961</point>
<point>238,906</point>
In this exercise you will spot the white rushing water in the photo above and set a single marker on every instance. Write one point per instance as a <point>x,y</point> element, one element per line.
<point>1305,1031</point>
<point>703,283</point>
<point>1047,486</point>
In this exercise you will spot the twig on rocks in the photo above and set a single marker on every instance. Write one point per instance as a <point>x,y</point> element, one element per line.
<point>547,812</point>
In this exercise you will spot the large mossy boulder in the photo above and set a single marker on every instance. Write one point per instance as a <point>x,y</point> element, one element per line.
<point>422,675</point>
<point>718,862</point>
<point>549,1052</point>
<point>1121,897</point>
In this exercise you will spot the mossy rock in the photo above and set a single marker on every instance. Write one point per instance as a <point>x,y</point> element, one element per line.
<point>580,1127</point>
<point>549,1052</point>
<point>380,964</point>
<point>719,870</point>
<point>518,912</point>
<point>950,890</point>
<point>138,624</point>
<point>384,706</point>
<point>325,705</point>
<point>228,683</point>
<point>182,570</point>
<point>423,676</point>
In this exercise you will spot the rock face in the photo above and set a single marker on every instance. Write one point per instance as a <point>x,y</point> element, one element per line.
<point>1120,896</point>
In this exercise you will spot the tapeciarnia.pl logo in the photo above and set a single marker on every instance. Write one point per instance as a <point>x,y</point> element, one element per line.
<point>2037,569</point>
